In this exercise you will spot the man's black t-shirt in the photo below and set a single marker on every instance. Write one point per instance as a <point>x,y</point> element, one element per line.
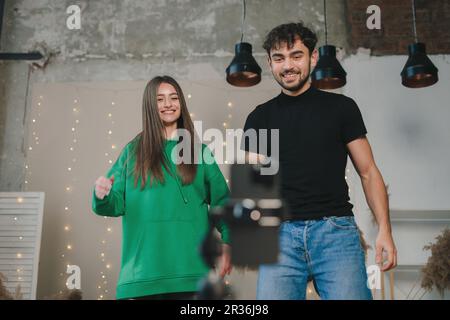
<point>314,128</point>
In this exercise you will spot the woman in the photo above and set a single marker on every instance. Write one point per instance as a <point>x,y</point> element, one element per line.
<point>164,205</point>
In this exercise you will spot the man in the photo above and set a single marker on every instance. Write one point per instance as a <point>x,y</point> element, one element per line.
<point>320,240</point>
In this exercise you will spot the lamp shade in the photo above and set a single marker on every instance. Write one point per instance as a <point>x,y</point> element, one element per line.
<point>328,73</point>
<point>243,70</point>
<point>418,71</point>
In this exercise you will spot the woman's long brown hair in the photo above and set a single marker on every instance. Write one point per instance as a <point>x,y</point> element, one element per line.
<point>150,157</point>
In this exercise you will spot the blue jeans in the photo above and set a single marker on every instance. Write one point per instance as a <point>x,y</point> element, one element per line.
<point>327,251</point>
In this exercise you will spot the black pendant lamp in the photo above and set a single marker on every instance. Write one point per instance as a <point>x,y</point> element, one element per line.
<point>243,70</point>
<point>328,73</point>
<point>419,71</point>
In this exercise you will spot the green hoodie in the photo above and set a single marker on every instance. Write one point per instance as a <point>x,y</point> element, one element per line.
<point>163,225</point>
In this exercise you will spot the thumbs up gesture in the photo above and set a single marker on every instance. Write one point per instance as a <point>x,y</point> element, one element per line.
<point>103,186</point>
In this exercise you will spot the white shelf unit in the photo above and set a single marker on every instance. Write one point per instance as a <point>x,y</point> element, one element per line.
<point>438,216</point>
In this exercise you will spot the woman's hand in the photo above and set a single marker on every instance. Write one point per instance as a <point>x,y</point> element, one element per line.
<point>225,261</point>
<point>103,187</point>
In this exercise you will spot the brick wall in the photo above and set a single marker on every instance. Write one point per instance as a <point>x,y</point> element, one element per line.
<point>433,26</point>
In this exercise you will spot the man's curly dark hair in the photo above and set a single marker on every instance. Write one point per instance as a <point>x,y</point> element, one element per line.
<point>288,33</point>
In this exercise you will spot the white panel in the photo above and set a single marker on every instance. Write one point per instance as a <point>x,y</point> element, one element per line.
<point>20,237</point>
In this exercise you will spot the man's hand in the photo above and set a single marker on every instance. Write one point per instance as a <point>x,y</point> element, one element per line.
<point>225,261</point>
<point>385,244</point>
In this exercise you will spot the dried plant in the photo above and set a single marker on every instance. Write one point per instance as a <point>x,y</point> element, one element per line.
<point>66,294</point>
<point>5,294</point>
<point>436,272</point>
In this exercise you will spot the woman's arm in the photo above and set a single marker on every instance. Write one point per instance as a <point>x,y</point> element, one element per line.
<point>113,204</point>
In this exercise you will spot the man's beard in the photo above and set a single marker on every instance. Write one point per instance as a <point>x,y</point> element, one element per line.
<point>296,88</point>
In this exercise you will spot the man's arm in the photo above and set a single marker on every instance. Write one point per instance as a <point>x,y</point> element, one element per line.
<point>375,191</point>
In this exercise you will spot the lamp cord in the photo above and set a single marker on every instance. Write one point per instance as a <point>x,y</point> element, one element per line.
<point>243,19</point>
<point>325,17</point>
<point>413,3</point>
